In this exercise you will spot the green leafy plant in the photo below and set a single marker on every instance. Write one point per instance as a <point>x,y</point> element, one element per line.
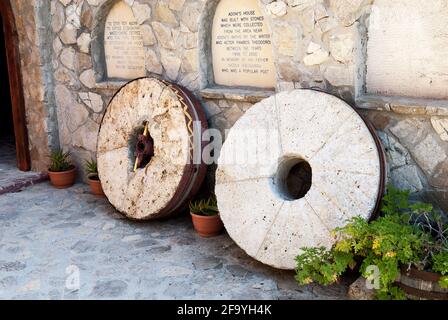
<point>91,169</point>
<point>207,207</point>
<point>60,161</point>
<point>408,234</point>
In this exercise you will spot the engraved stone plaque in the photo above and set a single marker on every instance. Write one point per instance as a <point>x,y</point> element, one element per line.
<point>408,48</point>
<point>242,45</point>
<point>123,44</point>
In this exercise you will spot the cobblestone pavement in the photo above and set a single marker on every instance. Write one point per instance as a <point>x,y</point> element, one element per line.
<point>12,178</point>
<point>47,235</point>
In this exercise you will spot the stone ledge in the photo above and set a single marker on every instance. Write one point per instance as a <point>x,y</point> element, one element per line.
<point>408,106</point>
<point>113,85</point>
<point>251,95</point>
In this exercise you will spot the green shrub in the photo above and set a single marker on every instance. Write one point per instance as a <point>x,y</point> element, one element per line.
<point>60,161</point>
<point>207,207</point>
<point>409,234</point>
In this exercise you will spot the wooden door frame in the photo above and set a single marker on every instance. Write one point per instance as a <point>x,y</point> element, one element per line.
<point>15,84</point>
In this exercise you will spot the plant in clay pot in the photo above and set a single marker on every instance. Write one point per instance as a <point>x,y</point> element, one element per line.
<point>205,217</point>
<point>93,178</point>
<point>407,246</point>
<point>62,172</point>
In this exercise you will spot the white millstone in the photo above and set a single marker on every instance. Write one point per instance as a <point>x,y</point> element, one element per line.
<point>304,124</point>
<point>141,195</point>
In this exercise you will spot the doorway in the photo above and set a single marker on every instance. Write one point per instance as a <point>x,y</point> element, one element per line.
<point>7,140</point>
<point>13,130</point>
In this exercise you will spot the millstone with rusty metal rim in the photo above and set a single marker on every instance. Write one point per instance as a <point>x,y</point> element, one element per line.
<point>316,164</point>
<point>148,162</point>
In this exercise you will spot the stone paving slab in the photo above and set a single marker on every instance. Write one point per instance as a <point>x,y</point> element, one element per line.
<point>11,178</point>
<point>46,235</point>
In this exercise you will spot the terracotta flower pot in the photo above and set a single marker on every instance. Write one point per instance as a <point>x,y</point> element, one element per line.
<point>64,179</point>
<point>207,226</point>
<point>95,186</point>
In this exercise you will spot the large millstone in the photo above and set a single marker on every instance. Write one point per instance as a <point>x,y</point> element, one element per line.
<point>165,184</point>
<point>316,164</point>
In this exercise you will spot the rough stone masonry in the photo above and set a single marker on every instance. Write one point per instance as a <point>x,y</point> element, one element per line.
<point>384,57</point>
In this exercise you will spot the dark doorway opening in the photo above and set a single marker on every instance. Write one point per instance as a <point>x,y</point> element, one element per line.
<point>6,119</point>
<point>13,127</point>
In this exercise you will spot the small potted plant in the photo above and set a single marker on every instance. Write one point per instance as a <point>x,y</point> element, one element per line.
<point>62,172</point>
<point>205,216</point>
<point>93,178</point>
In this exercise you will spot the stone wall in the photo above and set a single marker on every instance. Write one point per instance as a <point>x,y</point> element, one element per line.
<point>319,44</point>
<point>31,18</point>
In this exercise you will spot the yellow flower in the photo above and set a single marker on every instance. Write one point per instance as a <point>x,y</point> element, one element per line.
<point>307,280</point>
<point>376,244</point>
<point>390,254</point>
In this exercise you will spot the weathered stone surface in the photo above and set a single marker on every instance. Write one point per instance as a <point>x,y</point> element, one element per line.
<point>211,109</point>
<point>73,14</point>
<point>152,62</point>
<point>164,14</point>
<point>190,16</point>
<point>125,189</point>
<point>277,8</point>
<point>166,37</point>
<point>316,55</point>
<point>86,136</point>
<point>68,34</point>
<point>92,100</point>
<point>345,181</point>
<point>176,4</point>
<point>148,35</point>
<point>202,270</point>
<point>342,48</point>
<point>348,11</point>
<point>190,60</point>
<point>87,78</point>
<point>68,58</point>
<point>72,114</point>
<point>171,63</point>
<point>358,290</point>
<point>84,62</point>
<point>84,42</point>
<point>410,28</point>
<point>142,12</point>
<point>58,16</point>
<point>429,154</point>
<point>286,40</point>
<point>340,75</point>
<point>440,125</point>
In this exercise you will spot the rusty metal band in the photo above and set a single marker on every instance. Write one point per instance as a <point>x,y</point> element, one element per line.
<point>193,174</point>
<point>383,165</point>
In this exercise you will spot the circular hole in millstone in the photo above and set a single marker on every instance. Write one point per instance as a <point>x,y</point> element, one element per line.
<point>293,179</point>
<point>139,145</point>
